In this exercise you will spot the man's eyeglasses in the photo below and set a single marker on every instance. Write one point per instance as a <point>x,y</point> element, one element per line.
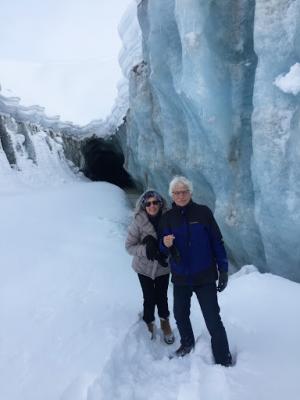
<point>154,202</point>
<point>181,192</point>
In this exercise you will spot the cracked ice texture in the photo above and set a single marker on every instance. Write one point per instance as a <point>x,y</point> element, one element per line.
<point>203,103</point>
<point>276,136</point>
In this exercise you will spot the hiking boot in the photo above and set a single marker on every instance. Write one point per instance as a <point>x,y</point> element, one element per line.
<point>152,329</point>
<point>228,361</point>
<point>167,331</point>
<point>225,360</point>
<point>183,351</point>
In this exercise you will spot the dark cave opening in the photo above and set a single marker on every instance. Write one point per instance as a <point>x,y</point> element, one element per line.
<point>104,161</point>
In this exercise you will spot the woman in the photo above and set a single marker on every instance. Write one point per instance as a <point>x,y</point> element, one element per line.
<point>151,266</point>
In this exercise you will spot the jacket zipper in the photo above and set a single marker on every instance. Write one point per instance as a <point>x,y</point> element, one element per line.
<point>188,243</point>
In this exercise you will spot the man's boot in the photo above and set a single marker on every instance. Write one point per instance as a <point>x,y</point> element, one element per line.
<point>167,331</point>
<point>183,351</point>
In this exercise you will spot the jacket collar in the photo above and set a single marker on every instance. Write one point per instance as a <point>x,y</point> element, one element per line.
<point>184,209</point>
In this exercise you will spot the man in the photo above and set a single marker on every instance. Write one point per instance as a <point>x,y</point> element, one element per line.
<point>198,259</point>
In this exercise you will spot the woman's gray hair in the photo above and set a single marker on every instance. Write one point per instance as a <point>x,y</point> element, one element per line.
<point>180,180</point>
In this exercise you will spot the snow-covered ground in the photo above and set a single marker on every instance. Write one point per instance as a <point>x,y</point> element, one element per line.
<point>69,303</point>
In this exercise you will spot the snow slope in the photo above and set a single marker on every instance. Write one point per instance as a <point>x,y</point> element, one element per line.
<point>258,311</point>
<point>61,251</point>
<point>69,303</point>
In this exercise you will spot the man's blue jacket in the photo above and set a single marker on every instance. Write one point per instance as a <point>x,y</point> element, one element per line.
<point>199,242</point>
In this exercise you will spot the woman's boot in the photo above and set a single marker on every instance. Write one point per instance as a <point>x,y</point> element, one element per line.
<point>167,331</point>
<point>152,329</point>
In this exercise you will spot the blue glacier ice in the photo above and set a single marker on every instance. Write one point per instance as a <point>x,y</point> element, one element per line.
<point>276,136</point>
<point>203,102</point>
<point>212,89</point>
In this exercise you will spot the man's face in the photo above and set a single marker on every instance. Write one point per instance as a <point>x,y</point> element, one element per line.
<point>181,195</point>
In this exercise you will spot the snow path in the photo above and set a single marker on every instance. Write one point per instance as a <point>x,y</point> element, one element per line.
<point>258,311</point>
<point>65,287</point>
<point>69,303</point>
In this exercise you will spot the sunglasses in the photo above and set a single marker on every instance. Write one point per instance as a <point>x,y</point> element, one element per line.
<point>154,202</point>
<point>181,192</point>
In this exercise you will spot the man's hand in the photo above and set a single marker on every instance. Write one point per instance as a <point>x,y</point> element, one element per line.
<point>223,280</point>
<point>168,240</point>
<point>175,255</point>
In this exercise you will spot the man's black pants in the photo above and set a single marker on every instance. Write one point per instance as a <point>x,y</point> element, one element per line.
<point>155,293</point>
<point>207,297</point>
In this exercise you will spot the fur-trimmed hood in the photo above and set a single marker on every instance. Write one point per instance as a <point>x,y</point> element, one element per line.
<point>154,193</point>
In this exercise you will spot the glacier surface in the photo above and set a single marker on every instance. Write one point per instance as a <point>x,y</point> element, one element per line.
<point>204,101</point>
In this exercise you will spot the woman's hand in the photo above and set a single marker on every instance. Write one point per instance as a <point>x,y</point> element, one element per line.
<point>151,247</point>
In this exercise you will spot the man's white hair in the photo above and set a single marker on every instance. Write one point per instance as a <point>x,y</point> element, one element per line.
<point>180,180</point>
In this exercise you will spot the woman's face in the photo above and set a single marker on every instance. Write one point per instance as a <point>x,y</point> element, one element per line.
<point>152,206</point>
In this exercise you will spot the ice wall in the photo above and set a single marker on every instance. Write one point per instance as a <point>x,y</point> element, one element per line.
<point>31,153</point>
<point>130,55</point>
<point>203,103</point>
<point>276,134</point>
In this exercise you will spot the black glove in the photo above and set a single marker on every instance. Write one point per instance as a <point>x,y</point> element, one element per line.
<point>222,283</point>
<point>162,259</point>
<point>151,247</point>
<point>175,255</point>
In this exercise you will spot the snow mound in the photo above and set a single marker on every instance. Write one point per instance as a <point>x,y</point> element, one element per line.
<point>290,83</point>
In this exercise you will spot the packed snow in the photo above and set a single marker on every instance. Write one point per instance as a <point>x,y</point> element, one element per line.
<point>290,83</point>
<point>69,305</point>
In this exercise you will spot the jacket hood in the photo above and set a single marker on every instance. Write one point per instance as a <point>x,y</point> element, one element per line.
<point>152,193</point>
